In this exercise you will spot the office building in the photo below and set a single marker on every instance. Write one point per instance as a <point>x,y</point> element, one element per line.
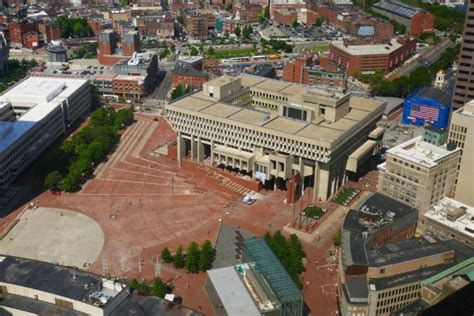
<point>259,285</point>
<point>450,219</point>
<point>43,108</point>
<point>187,76</point>
<point>370,57</point>
<point>323,74</point>
<point>275,130</point>
<point>130,79</point>
<point>197,25</point>
<point>461,133</point>
<point>416,20</point>
<point>446,293</point>
<point>381,265</point>
<point>463,87</point>
<point>4,52</point>
<point>418,173</point>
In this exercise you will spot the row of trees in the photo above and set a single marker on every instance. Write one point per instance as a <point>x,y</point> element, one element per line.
<point>403,86</point>
<point>75,159</point>
<point>194,260</point>
<point>17,70</point>
<point>88,50</point>
<point>276,45</point>
<point>246,32</point>
<point>179,91</point>
<point>74,27</point>
<point>157,288</point>
<point>290,253</point>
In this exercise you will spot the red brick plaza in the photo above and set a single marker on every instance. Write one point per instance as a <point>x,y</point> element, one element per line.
<point>144,201</point>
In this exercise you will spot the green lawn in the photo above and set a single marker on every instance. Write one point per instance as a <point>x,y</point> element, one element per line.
<point>313,211</point>
<point>317,48</point>
<point>344,195</point>
<point>233,53</point>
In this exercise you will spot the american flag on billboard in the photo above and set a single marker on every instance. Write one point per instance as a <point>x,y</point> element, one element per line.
<point>424,112</point>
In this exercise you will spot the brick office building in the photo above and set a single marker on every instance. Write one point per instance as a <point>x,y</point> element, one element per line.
<point>383,57</point>
<point>324,75</point>
<point>49,32</point>
<point>109,51</point>
<point>188,77</point>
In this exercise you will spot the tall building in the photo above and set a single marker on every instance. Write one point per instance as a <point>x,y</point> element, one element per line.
<point>277,131</point>
<point>418,173</point>
<point>461,133</point>
<point>4,51</point>
<point>463,92</point>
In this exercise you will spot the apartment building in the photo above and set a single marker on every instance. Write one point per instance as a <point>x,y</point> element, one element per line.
<point>381,265</point>
<point>197,25</point>
<point>461,133</point>
<point>418,173</point>
<point>276,130</point>
<point>43,106</point>
<point>450,219</point>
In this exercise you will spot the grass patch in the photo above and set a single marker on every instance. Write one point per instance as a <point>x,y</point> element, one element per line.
<point>233,53</point>
<point>313,212</point>
<point>317,48</point>
<point>345,195</point>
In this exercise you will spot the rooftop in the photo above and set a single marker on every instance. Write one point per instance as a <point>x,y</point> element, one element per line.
<point>420,152</point>
<point>398,8</point>
<point>318,129</point>
<point>442,96</point>
<point>452,214</point>
<point>374,49</point>
<point>232,292</point>
<point>59,280</point>
<point>41,95</point>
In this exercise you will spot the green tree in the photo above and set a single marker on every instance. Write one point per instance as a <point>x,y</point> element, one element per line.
<point>52,180</point>
<point>337,238</point>
<point>177,92</point>
<point>178,258</point>
<point>295,23</point>
<point>210,51</point>
<point>158,287</point>
<point>166,255</point>
<point>229,7</point>
<point>237,31</point>
<point>206,256</point>
<point>134,284</point>
<point>194,51</point>
<point>192,257</point>
<point>247,32</point>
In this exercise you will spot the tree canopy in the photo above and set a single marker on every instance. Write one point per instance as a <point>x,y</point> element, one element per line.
<point>290,253</point>
<point>74,27</point>
<point>88,147</point>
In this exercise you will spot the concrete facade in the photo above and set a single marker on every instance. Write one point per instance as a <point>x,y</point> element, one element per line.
<point>274,129</point>
<point>461,133</point>
<point>418,173</point>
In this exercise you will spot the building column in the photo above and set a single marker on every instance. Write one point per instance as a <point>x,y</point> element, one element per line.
<point>200,150</point>
<point>181,149</point>
<point>316,176</point>
<point>193,148</point>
